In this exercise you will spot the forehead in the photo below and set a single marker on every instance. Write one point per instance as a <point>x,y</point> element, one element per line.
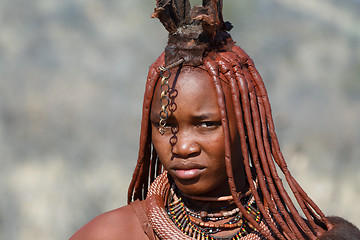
<point>187,87</point>
<point>192,81</point>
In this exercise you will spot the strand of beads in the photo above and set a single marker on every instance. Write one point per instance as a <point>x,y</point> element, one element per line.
<point>220,215</point>
<point>237,223</point>
<point>202,230</point>
<point>213,216</point>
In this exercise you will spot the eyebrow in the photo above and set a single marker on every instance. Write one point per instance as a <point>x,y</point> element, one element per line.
<point>204,116</point>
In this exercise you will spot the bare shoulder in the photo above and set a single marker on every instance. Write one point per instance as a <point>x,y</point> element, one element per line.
<point>118,224</point>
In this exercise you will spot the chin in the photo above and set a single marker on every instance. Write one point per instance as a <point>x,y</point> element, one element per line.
<point>191,187</point>
<point>192,190</point>
<point>196,189</point>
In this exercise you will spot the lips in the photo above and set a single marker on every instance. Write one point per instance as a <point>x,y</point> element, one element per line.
<point>187,171</point>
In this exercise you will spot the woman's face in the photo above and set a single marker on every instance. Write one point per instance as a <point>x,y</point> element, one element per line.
<point>192,148</point>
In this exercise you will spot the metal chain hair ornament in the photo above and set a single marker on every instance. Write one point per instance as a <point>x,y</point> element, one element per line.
<point>165,74</point>
<point>199,37</point>
<point>164,98</point>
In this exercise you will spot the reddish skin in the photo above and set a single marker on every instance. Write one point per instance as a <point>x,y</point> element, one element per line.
<point>123,224</point>
<point>119,224</point>
<point>196,161</point>
<point>200,144</point>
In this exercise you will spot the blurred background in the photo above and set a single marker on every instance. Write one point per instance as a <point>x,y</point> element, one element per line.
<point>72,77</point>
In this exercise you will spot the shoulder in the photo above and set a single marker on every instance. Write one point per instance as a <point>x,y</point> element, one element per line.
<point>118,224</point>
<point>342,230</point>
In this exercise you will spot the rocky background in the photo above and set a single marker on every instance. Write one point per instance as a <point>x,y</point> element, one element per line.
<point>72,76</point>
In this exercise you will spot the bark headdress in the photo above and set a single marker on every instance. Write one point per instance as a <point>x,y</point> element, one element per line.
<point>192,30</point>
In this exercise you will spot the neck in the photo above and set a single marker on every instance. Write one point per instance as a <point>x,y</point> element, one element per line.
<point>210,204</point>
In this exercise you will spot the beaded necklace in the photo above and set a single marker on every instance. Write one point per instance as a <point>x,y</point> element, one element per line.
<point>212,216</point>
<point>188,224</point>
<point>220,215</point>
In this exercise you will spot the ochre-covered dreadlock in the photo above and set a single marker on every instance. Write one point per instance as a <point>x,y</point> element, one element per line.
<point>205,43</point>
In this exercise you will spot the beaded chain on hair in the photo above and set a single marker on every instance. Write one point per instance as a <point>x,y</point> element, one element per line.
<point>164,98</point>
<point>199,37</point>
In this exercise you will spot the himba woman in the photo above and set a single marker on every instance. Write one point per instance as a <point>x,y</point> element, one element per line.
<point>208,158</point>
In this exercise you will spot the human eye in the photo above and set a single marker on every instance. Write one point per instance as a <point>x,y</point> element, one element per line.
<point>209,124</point>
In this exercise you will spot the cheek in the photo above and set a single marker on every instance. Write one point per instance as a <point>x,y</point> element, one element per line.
<point>156,141</point>
<point>161,145</point>
<point>215,148</point>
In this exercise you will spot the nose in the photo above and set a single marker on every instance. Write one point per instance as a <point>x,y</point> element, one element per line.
<point>185,146</point>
